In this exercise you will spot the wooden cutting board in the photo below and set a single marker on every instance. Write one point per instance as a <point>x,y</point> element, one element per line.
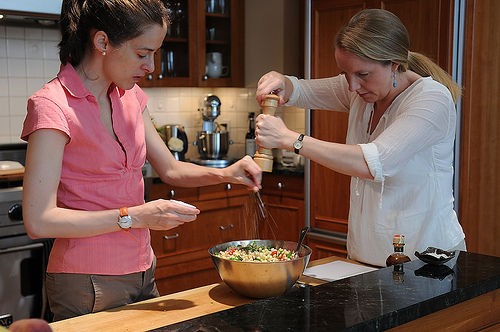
<point>11,174</point>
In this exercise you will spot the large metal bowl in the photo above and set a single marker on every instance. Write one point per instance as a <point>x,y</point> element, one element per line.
<point>261,279</point>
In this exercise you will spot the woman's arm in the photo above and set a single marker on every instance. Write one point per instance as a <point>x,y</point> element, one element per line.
<point>271,132</point>
<point>43,218</point>
<point>185,174</point>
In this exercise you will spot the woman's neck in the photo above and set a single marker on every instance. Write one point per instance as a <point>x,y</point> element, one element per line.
<point>91,73</point>
<point>403,81</point>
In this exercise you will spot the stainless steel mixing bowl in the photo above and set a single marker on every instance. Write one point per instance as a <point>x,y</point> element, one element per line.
<point>261,279</point>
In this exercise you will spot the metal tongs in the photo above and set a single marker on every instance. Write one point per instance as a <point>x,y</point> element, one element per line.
<point>261,204</point>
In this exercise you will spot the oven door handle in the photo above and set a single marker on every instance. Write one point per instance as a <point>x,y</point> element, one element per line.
<point>21,248</point>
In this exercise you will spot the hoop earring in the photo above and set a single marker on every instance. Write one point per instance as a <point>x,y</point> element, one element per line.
<point>394,79</point>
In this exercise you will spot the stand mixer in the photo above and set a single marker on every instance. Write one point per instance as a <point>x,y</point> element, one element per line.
<point>213,140</point>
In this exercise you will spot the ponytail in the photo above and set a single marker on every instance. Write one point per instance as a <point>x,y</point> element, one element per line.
<point>74,40</point>
<point>425,67</point>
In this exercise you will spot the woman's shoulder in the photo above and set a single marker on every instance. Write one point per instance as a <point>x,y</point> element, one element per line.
<point>51,90</point>
<point>430,87</point>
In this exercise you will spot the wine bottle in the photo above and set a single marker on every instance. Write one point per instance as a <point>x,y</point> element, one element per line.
<point>250,146</point>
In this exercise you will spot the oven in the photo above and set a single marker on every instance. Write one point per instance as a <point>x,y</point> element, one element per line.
<point>23,260</point>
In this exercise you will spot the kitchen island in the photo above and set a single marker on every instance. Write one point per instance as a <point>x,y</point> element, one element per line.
<point>465,296</point>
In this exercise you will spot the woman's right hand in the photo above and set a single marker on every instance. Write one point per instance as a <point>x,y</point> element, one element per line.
<point>161,214</point>
<point>274,81</point>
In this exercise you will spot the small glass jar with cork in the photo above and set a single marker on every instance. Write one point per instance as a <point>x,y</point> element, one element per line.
<point>397,258</point>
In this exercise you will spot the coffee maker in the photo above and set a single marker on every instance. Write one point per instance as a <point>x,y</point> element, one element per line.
<point>213,140</point>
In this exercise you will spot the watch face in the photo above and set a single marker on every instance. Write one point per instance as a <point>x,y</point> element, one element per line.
<point>125,222</point>
<point>297,144</point>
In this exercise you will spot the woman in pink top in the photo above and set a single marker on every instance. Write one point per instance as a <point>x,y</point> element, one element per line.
<point>89,133</point>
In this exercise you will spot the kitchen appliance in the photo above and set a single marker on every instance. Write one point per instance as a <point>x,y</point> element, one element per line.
<point>22,259</point>
<point>176,140</point>
<point>213,140</point>
<point>261,279</point>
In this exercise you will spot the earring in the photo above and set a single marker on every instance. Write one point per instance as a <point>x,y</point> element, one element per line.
<point>103,53</point>
<point>394,79</point>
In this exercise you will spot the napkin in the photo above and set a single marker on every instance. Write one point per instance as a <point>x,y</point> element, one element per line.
<point>336,270</point>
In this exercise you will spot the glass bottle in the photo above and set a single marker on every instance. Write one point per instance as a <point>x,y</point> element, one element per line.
<point>397,258</point>
<point>250,146</point>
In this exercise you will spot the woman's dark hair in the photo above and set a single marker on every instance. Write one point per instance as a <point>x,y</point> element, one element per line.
<point>379,35</point>
<point>121,20</point>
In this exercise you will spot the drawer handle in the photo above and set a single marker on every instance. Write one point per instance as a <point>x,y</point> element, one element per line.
<point>171,237</point>
<point>172,193</point>
<point>228,186</point>
<point>226,228</point>
<point>281,185</point>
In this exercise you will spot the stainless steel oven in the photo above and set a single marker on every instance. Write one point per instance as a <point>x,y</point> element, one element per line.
<point>22,260</point>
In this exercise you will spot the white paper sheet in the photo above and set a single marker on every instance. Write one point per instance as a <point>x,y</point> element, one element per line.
<point>336,270</point>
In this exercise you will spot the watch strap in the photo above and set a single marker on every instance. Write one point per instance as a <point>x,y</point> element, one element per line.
<point>301,137</point>
<point>124,219</point>
<point>123,211</point>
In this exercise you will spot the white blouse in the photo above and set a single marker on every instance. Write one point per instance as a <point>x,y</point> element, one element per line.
<point>409,154</point>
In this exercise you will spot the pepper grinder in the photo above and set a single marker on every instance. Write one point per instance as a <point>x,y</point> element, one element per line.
<point>264,157</point>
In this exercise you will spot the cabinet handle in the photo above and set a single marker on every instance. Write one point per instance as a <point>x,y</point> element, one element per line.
<point>150,77</point>
<point>281,185</point>
<point>226,228</point>
<point>204,78</point>
<point>171,237</point>
<point>160,76</point>
<point>228,186</point>
<point>172,193</point>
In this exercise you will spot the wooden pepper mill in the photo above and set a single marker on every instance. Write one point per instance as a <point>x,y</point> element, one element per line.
<point>264,157</point>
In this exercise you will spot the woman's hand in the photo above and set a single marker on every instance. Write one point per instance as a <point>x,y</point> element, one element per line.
<point>245,171</point>
<point>274,81</point>
<point>161,214</point>
<point>271,132</point>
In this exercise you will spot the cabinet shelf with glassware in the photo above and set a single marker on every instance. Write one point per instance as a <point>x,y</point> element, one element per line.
<point>203,46</point>
<point>182,255</point>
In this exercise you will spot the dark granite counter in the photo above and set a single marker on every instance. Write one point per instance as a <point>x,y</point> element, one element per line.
<point>372,301</point>
<point>288,170</point>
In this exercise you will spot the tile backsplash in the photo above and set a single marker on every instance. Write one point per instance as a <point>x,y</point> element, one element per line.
<point>29,59</point>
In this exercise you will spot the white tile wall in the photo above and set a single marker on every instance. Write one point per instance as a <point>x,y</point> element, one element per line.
<point>29,59</point>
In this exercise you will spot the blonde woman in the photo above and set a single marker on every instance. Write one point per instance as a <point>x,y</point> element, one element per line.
<point>400,138</point>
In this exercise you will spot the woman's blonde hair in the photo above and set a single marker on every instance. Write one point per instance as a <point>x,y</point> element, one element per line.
<point>379,35</point>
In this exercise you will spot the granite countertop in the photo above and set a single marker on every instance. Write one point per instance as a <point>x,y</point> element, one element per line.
<point>375,300</point>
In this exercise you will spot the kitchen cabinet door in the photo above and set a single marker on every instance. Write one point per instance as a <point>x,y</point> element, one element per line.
<point>330,190</point>
<point>182,255</point>
<point>197,29</point>
<point>283,197</point>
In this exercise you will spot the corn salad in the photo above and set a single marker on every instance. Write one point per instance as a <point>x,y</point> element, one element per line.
<point>255,253</point>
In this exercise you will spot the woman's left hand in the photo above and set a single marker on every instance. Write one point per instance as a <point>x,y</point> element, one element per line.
<point>271,132</point>
<point>245,171</point>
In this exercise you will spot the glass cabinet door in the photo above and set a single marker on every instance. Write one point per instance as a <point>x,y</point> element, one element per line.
<point>221,46</point>
<point>203,45</point>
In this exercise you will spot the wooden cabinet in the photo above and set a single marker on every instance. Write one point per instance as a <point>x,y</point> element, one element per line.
<point>283,196</point>
<point>196,30</point>
<point>479,182</point>
<point>329,190</point>
<point>182,255</point>
<point>325,246</point>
